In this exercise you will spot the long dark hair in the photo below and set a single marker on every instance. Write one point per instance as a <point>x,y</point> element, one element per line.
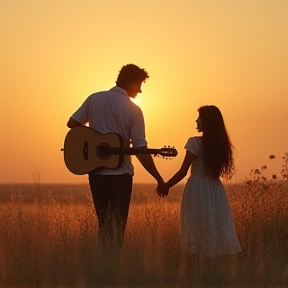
<point>217,147</point>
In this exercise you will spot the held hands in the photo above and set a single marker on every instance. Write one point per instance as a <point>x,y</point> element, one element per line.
<point>162,189</point>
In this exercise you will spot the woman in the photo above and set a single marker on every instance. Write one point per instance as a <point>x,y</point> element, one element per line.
<point>206,223</point>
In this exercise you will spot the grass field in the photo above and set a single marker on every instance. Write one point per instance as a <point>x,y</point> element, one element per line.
<point>49,239</point>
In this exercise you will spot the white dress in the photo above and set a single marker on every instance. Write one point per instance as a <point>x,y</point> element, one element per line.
<point>206,223</point>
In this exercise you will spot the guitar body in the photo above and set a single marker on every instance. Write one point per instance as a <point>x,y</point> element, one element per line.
<point>82,146</point>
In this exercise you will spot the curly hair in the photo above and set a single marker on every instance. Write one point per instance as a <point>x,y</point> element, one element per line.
<point>130,73</point>
<point>217,147</point>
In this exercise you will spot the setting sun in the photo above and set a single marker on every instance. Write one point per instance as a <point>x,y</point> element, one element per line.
<point>137,100</point>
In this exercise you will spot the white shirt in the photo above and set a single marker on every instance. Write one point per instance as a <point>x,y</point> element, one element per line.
<point>113,111</point>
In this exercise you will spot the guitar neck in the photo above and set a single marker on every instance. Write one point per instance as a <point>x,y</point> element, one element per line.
<point>132,151</point>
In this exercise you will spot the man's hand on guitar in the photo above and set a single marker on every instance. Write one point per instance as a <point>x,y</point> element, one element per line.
<point>162,190</point>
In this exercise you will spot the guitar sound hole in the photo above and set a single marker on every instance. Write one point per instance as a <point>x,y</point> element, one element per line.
<point>103,151</point>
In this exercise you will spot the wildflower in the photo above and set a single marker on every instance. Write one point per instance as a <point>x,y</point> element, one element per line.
<point>274,176</point>
<point>272,157</point>
<point>264,167</point>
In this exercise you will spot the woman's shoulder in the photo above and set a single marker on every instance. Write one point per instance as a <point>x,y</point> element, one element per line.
<point>193,144</point>
<point>197,139</point>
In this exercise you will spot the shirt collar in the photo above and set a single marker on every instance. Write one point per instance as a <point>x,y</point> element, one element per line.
<point>119,89</point>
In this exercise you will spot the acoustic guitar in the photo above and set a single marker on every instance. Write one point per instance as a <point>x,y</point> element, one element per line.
<point>85,150</point>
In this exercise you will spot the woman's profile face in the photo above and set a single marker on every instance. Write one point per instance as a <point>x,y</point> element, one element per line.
<point>199,124</point>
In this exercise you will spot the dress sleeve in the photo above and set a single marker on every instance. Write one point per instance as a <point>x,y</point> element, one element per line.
<point>193,145</point>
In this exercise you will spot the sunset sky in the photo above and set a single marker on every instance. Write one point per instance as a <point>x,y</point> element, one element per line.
<point>228,53</point>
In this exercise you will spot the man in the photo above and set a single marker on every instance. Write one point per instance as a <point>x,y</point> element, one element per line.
<point>113,111</point>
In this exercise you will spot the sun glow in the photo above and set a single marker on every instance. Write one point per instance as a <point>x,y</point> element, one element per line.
<point>137,100</point>
<point>214,58</point>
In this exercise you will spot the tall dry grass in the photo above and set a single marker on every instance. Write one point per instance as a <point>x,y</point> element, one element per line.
<point>50,240</point>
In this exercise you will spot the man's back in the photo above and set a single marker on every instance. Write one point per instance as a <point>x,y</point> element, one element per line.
<point>113,111</point>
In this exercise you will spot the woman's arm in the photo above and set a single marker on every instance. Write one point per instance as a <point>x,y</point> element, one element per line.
<point>182,172</point>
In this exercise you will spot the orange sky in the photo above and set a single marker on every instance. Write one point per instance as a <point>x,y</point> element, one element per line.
<point>232,54</point>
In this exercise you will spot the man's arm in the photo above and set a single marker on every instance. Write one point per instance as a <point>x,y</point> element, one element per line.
<point>147,162</point>
<point>73,123</point>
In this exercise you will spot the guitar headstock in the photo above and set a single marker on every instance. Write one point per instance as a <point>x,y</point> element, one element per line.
<point>167,152</point>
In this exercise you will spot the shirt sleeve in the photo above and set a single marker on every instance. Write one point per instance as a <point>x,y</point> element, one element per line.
<point>192,145</point>
<point>82,114</point>
<point>137,135</point>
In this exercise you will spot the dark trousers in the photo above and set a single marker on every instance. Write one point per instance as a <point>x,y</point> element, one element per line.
<point>111,197</point>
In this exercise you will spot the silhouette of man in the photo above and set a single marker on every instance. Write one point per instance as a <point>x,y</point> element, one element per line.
<point>113,111</point>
